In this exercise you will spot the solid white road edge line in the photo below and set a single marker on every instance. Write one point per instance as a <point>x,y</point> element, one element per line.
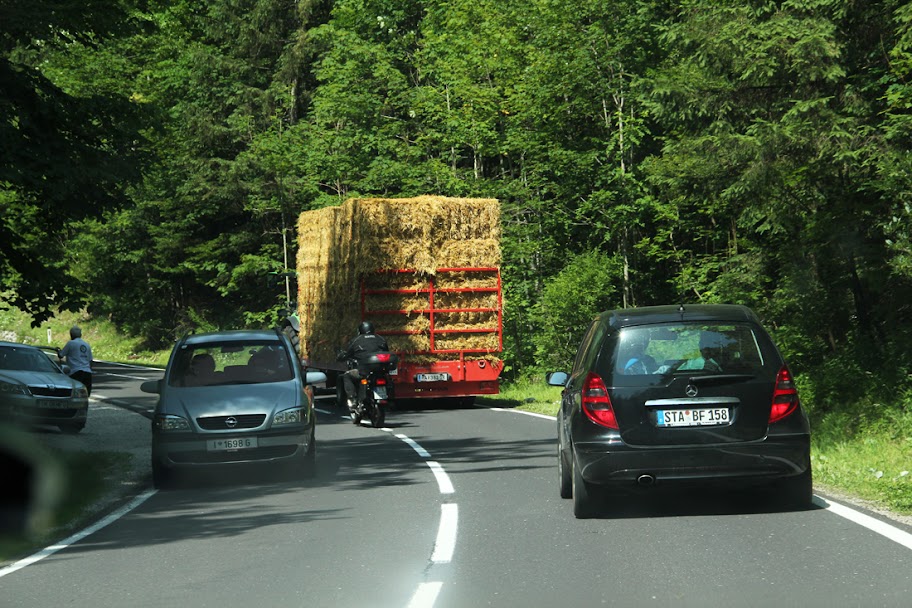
<point>446,534</point>
<point>533,414</point>
<point>871,523</point>
<point>111,518</point>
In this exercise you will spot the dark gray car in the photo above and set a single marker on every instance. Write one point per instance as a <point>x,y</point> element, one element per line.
<point>679,395</point>
<point>233,397</point>
<point>35,391</point>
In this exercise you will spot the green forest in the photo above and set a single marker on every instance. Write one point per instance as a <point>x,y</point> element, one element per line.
<point>154,157</point>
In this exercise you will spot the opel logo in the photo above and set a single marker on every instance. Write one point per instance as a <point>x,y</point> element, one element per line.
<point>231,421</point>
<point>691,390</point>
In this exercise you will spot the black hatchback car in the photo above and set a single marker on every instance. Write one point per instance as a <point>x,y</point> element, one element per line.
<point>667,395</point>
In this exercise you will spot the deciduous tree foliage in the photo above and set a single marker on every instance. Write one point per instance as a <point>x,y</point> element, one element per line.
<point>645,152</point>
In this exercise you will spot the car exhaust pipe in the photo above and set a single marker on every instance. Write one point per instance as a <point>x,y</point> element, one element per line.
<point>646,480</point>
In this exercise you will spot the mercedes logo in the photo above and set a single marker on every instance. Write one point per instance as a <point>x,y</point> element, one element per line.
<point>691,390</point>
<point>231,421</point>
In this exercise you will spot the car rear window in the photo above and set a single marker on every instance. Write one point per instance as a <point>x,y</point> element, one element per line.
<point>218,363</point>
<point>708,348</point>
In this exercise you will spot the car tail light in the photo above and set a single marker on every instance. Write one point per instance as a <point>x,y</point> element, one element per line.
<point>785,396</point>
<point>596,404</point>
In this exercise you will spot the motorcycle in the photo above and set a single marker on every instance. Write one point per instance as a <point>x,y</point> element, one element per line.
<point>375,388</point>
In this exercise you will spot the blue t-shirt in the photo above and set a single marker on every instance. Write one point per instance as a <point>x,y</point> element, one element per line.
<point>78,355</point>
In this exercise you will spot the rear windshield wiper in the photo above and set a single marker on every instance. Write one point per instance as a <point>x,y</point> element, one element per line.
<point>720,378</point>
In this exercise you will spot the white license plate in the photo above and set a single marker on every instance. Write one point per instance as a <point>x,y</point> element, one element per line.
<point>379,392</point>
<point>432,377</point>
<point>708,416</point>
<point>51,403</point>
<point>235,443</point>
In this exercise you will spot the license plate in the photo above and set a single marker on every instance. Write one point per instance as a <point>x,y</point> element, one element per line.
<point>432,377</point>
<point>379,392</point>
<point>709,416</point>
<point>52,404</point>
<point>235,443</point>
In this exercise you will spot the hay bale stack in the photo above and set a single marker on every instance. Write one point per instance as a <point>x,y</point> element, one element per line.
<point>340,246</point>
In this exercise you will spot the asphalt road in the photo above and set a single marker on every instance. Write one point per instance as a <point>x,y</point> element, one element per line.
<point>447,508</point>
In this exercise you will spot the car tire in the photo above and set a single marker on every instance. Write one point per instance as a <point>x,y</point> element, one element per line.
<point>162,476</point>
<point>306,468</point>
<point>584,503</point>
<point>72,429</point>
<point>564,471</point>
<point>795,492</point>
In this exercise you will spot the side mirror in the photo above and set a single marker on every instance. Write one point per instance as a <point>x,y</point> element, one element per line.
<point>151,386</point>
<point>314,378</point>
<point>557,378</point>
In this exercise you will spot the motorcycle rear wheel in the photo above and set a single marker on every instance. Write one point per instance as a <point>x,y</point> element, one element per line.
<point>377,415</point>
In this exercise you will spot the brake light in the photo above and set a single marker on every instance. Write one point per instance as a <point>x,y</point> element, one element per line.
<point>383,357</point>
<point>785,396</point>
<point>596,404</point>
<point>381,381</point>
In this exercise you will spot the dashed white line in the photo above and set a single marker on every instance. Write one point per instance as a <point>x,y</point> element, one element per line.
<point>425,595</point>
<point>414,445</point>
<point>446,534</point>
<point>443,481</point>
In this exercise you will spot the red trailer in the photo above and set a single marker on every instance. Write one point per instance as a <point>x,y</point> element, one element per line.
<point>439,370</point>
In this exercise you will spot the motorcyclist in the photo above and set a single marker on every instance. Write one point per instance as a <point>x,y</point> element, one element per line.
<point>359,348</point>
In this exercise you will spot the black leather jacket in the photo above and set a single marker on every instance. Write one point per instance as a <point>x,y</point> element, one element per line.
<point>363,345</point>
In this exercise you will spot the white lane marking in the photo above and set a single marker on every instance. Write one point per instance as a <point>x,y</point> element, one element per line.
<point>111,518</point>
<point>875,525</point>
<point>425,595</point>
<point>414,445</point>
<point>158,369</point>
<point>322,411</point>
<point>122,376</point>
<point>446,534</point>
<point>443,481</point>
<point>871,523</point>
<point>445,544</point>
<point>533,414</point>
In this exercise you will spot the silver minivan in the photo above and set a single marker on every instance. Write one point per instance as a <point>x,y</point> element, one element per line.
<point>233,397</point>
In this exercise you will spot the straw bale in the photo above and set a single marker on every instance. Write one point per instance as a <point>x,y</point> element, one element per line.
<point>340,246</point>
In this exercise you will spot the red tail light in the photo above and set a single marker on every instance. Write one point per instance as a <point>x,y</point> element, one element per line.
<point>785,396</point>
<point>383,357</point>
<point>596,404</point>
<point>381,381</point>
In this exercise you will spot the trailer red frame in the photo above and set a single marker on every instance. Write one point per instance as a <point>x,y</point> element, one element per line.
<point>453,374</point>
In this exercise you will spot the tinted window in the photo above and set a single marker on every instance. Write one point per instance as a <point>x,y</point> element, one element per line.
<point>247,362</point>
<point>25,360</point>
<point>688,347</point>
<point>590,346</point>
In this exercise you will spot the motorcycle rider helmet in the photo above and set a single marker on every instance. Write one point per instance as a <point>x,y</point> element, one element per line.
<point>366,327</point>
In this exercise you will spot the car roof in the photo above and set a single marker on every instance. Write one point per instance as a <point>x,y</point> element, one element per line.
<point>232,336</point>
<point>647,315</point>
<point>17,344</point>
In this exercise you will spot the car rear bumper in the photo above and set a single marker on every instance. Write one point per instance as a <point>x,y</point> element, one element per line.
<point>191,451</point>
<point>747,463</point>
